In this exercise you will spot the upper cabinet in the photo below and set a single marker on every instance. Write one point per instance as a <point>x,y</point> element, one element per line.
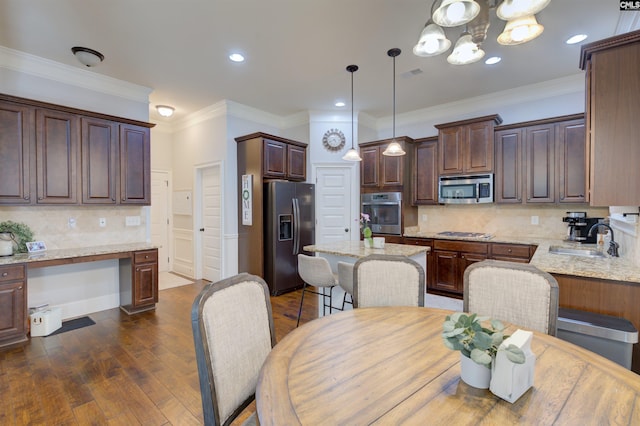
<point>425,171</point>
<point>541,161</point>
<point>612,67</point>
<point>467,146</point>
<point>382,172</point>
<point>273,157</point>
<point>52,154</point>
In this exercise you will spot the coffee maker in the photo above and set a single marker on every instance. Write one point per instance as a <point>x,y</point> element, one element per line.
<point>579,225</point>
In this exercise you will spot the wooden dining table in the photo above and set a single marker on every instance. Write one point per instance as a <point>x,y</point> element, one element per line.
<point>389,366</point>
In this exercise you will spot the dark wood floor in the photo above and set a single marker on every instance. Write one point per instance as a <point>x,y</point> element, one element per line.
<point>124,370</point>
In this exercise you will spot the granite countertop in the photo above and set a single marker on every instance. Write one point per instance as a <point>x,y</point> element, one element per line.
<point>357,249</point>
<point>74,252</point>
<point>607,268</point>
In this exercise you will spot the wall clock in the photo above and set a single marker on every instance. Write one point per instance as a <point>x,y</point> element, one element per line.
<point>333,140</point>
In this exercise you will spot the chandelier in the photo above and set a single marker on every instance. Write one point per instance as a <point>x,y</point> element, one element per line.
<point>521,27</point>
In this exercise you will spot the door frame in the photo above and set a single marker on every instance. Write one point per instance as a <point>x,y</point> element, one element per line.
<point>354,178</point>
<point>197,218</point>
<point>169,216</point>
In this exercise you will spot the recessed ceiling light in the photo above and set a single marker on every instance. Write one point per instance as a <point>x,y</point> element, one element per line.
<point>165,110</point>
<point>493,60</point>
<point>576,39</point>
<point>340,104</point>
<point>236,57</point>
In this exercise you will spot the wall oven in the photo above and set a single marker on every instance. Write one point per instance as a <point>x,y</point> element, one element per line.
<point>385,212</point>
<point>466,189</point>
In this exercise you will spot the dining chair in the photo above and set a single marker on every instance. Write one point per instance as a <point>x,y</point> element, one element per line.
<point>387,280</point>
<point>233,333</point>
<point>316,271</point>
<point>345,281</point>
<point>518,293</point>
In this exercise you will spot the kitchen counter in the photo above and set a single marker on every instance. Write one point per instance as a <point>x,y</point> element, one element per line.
<point>607,268</point>
<point>356,249</point>
<point>65,256</point>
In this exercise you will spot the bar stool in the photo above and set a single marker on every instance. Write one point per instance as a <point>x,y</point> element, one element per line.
<point>316,271</point>
<point>345,281</point>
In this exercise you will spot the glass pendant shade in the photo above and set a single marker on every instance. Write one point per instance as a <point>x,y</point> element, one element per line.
<point>432,41</point>
<point>520,30</point>
<point>451,13</point>
<point>394,149</point>
<point>465,52</point>
<point>512,9</point>
<point>352,155</point>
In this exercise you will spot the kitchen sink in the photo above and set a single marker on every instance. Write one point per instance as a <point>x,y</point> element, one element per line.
<point>583,252</point>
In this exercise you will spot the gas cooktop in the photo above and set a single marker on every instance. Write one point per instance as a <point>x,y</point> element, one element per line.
<point>465,234</point>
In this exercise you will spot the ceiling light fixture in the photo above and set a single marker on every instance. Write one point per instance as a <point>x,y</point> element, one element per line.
<point>87,57</point>
<point>576,39</point>
<point>165,110</point>
<point>493,60</point>
<point>352,154</point>
<point>339,104</point>
<point>521,26</point>
<point>236,57</point>
<point>394,149</point>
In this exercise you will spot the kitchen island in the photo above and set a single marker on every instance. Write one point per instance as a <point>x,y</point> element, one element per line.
<point>351,251</point>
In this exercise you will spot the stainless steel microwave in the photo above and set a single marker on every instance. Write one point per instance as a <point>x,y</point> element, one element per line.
<point>466,189</point>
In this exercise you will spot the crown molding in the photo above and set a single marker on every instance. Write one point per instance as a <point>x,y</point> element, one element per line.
<point>47,69</point>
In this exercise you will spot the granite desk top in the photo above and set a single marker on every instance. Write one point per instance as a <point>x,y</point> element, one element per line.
<point>606,268</point>
<point>357,249</point>
<point>56,254</point>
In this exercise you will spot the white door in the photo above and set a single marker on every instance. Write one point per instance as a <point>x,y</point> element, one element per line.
<point>335,221</point>
<point>211,226</point>
<point>160,217</point>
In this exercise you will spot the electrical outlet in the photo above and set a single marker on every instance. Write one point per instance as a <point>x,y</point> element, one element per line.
<point>534,220</point>
<point>424,217</point>
<point>132,221</point>
<point>72,223</point>
<point>102,222</point>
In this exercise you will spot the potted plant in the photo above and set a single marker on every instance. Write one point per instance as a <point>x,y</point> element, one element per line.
<point>20,234</point>
<point>478,346</point>
<point>366,231</point>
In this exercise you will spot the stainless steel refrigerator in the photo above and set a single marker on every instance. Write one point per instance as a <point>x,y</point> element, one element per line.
<point>289,226</point>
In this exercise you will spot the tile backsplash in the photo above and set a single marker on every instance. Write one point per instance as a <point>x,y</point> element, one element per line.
<point>62,227</point>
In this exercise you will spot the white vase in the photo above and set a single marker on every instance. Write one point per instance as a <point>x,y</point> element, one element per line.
<point>473,374</point>
<point>367,243</point>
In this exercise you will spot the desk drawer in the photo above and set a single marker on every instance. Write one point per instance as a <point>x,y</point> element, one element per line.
<point>147,256</point>
<point>10,273</point>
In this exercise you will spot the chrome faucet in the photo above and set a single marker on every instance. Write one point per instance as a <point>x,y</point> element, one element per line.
<point>613,246</point>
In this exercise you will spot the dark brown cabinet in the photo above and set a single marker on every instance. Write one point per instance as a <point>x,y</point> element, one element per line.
<point>426,242</point>
<point>15,153</point>
<point>135,165</point>
<point>13,304</point>
<point>139,282</point>
<point>99,150</point>
<point>382,172</point>
<point>612,67</point>
<point>284,160</point>
<point>540,162</point>
<point>425,172</point>
<point>56,157</point>
<point>520,253</point>
<point>450,259</point>
<point>51,154</point>
<point>467,146</point>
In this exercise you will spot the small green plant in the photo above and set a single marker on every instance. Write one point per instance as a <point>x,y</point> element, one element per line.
<point>21,233</point>
<point>364,225</point>
<point>465,333</point>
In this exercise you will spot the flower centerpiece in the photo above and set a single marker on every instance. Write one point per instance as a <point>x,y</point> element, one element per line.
<point>366,231</point>
<point>465,333</point>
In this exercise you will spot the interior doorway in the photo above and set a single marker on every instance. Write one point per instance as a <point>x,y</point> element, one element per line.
<point>160,226</point>
<point>336,214</point>
<point>209,222</point>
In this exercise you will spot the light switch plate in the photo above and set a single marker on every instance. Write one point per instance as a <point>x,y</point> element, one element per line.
<point>102,222</point>
<point>534,220</point>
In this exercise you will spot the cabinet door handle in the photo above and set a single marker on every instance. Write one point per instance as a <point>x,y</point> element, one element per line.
<point>146,256</point>
<point>4,274</point>
<point>26,197</point>
<point>137,269</point>
<point>509,250</point>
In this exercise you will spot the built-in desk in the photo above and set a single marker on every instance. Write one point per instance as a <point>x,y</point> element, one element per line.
<point>138,281</point>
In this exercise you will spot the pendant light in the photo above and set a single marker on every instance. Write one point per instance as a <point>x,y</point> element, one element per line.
<point>352,154</point>
<point>394,149</point>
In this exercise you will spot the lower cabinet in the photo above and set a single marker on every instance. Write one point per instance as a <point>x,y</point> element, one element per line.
<point>450,259</point>
<point>13,304</point>
<point>139,282</point>
<point>427,242</point>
